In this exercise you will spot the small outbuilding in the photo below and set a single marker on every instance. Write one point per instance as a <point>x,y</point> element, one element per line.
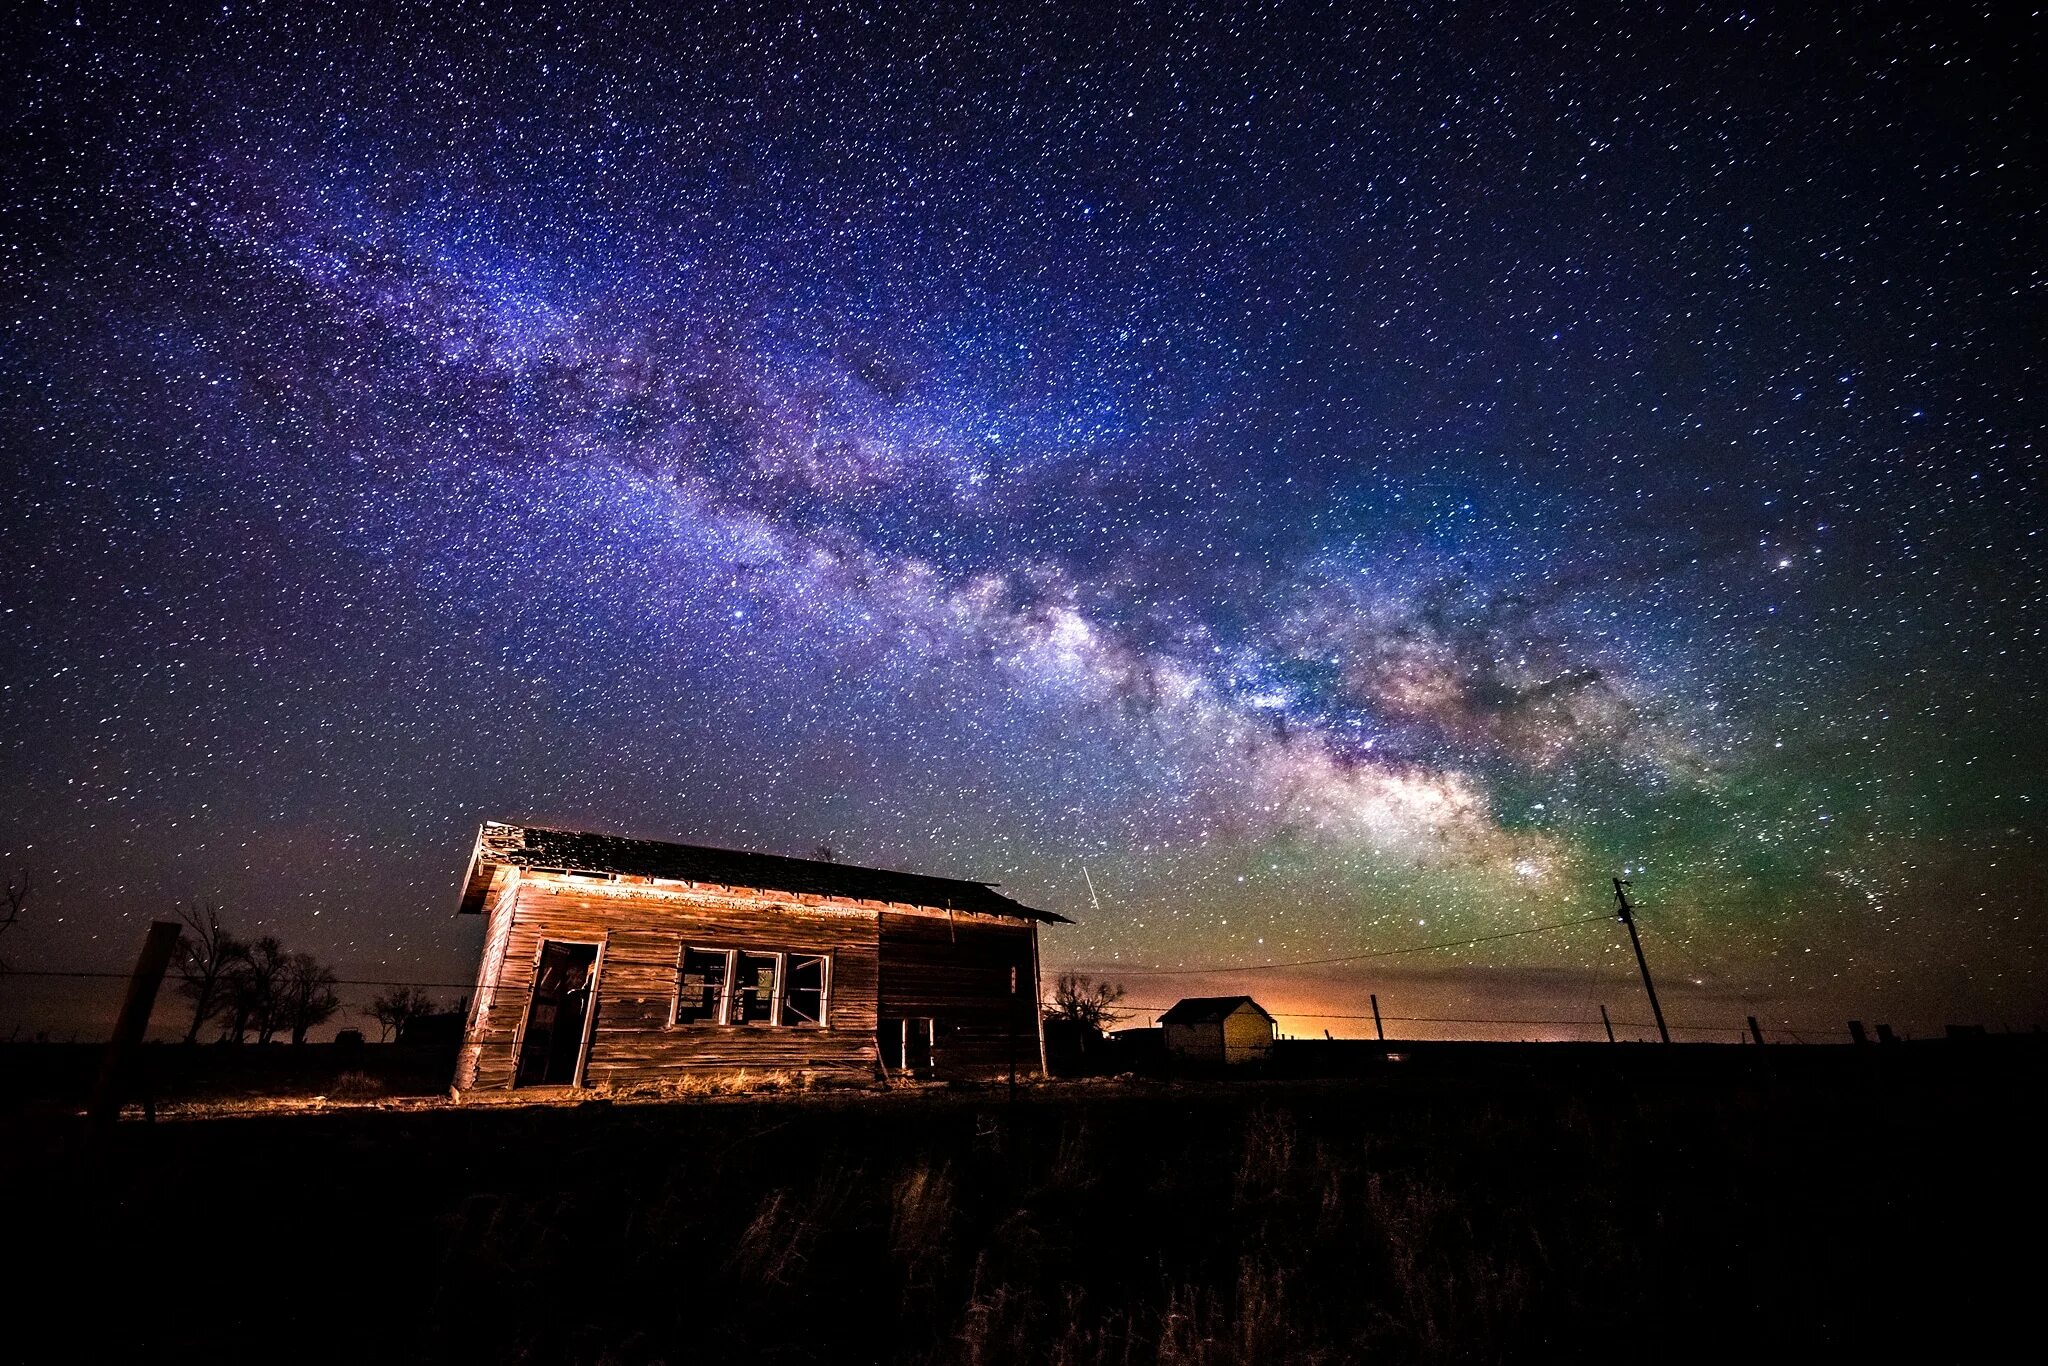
<point>1227,1029</point>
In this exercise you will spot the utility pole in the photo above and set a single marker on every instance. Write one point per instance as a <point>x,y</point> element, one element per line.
<point>1607,1022</point>
<point>1628,918</point>
<point>1377,1027</point>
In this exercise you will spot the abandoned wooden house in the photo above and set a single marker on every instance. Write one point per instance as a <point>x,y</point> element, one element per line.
<point>1229,1029</point>
<point>623,961</point>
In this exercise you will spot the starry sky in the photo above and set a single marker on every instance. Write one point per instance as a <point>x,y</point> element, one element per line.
<point>1348,478</point>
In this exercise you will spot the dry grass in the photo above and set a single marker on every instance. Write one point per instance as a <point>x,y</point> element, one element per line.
<point>358,1086</point>
<point>1285,1227</point>
<point>744,1081</point>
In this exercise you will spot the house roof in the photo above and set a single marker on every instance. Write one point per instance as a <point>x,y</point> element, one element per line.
<point>1209,1009</point>
<point>576,851</point>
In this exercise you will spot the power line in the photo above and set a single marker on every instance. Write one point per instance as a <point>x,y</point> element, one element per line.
<point>339,981</point>
<point>1784,1026</point>
<point>1575,1021</point>
<point>1123,971</point>
<point>1129,972</point>
<point>1357,957</point>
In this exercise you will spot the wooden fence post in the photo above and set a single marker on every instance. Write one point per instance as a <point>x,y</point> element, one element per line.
<point>133,1022</point>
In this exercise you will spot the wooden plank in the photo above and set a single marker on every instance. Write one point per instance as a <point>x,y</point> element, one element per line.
<point>957,971</point>
<point>645,930</point>
<point>920,963</point>
<point>960,973</point>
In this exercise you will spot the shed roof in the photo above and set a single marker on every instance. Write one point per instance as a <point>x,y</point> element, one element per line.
<point>1209,1009</point>
<point>576,851</point>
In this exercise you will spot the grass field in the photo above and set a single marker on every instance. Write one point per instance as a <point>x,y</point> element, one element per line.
<point>1831,1210</point>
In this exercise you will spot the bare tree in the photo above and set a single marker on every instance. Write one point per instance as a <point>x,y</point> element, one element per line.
<point>207,954</point>
<point>19,887</point>
<point>1088,1005</point>
<point>250,987</point>
<point>305,995</point>
<point>267,960</point>
<point>397,1008</point>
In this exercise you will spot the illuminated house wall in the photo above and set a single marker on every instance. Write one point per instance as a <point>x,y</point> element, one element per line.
<point>1226,1029</point>
<point>614,961</point>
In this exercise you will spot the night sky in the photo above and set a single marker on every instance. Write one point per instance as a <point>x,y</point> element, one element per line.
<point>1350,479</point>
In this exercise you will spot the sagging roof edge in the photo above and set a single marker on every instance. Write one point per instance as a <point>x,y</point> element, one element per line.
<point>477,879</point>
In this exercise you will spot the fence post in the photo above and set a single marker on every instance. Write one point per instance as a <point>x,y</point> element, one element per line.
<point>133,1022</point>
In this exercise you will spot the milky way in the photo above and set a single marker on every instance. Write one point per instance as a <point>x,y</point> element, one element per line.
<point>1347,481</point>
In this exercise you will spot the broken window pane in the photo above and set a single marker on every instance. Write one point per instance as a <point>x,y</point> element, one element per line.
<point>753,992</point>
<point>702,994</point>
<point>803,992</point>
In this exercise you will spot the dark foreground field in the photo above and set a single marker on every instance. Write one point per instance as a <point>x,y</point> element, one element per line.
<point>1773,1208</point>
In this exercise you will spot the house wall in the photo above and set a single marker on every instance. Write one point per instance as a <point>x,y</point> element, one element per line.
<point>956,970</point>
<point>1242,1036</point>
<point>1204,1041</point>
<point>485,1012</point>
<point>643,929</point>
<point>1247,1036</point>
<point>896,963</point>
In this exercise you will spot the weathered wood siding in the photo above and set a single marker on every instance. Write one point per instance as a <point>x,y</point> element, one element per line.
<point>643,929</point>
<point>1203,1040</point>
<point>498,905</point>
<point>1247,1035</point>
<point>956,971</point>
<point>1242,1036</point>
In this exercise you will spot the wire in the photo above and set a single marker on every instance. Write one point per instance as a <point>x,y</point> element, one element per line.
<point>1356,957</point>
<point>339,981</point>
<point>1122,971</point>
<point>1777,1026</point>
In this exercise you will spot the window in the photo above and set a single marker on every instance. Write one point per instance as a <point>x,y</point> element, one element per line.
<point>803,991</point>
<point>701,998</point>
<point>753,987</point>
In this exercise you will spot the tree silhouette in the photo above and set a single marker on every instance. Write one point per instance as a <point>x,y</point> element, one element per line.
<point>397,1008</point>
<point>207,954</point>
<point>305,995</point>
<point>19,887</point>
<point>1089,1006</point>
<point>250,992</point>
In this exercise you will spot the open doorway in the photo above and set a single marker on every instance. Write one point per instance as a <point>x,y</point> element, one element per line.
<point>908,1047</point>
<point>558,1018</point>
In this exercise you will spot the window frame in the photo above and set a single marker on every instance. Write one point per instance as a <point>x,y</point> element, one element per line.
<point>729,983</point>
<point>675,998</point>
<point>824,960</point>
<point>774,1019</point>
